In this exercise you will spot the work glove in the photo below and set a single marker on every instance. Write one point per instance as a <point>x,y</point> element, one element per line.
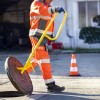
<point>54,9</point>
<point>59,9</point>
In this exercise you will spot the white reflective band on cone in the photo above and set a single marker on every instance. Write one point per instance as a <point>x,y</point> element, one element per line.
<point>73,69</point>
<point>73,61</point>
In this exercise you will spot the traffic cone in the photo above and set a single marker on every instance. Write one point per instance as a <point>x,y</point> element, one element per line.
<point>73,67</point>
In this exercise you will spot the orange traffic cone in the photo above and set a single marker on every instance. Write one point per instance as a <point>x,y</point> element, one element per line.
<point>73,67</point>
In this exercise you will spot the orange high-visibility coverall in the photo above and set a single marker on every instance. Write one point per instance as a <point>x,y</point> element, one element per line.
<point>39,20</point>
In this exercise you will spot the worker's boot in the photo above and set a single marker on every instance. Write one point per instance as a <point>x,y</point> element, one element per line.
<point>52,87</point>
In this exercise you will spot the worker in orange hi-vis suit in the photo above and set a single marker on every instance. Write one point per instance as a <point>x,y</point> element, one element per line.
<point>40,15</point>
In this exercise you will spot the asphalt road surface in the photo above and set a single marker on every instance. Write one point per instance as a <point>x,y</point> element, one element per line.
<point>84,87</point>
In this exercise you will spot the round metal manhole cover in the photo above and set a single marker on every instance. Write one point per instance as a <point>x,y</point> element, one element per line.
<point>21,82</point>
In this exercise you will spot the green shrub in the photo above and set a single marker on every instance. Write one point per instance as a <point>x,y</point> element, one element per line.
<point>90,35</point>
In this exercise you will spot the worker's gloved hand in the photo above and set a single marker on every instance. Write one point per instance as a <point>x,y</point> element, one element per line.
<point>59,9</point>
<point>54,9</point>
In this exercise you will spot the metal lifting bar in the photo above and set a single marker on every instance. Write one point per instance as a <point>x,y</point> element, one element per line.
<point>28,64</point>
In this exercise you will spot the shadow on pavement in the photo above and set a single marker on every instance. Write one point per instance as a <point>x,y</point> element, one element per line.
<point>10,94</point>
<point>62,96</point>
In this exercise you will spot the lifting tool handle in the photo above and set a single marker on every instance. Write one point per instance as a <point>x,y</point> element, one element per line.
<point>27,64</point>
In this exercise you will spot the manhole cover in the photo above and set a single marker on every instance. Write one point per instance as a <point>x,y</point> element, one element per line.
<point>21,82</point>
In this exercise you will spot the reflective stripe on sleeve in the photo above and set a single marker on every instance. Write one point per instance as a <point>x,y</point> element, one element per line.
<point>38,17</point>
<point>51,10</point>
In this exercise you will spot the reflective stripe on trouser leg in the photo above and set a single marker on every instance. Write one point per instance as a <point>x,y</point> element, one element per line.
<point>43,60</point>
<point>45,66</point>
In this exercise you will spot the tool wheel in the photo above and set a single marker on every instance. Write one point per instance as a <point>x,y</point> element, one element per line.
<point>21,82</point>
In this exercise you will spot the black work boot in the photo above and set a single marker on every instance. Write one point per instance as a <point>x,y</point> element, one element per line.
<point>52,87</point>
